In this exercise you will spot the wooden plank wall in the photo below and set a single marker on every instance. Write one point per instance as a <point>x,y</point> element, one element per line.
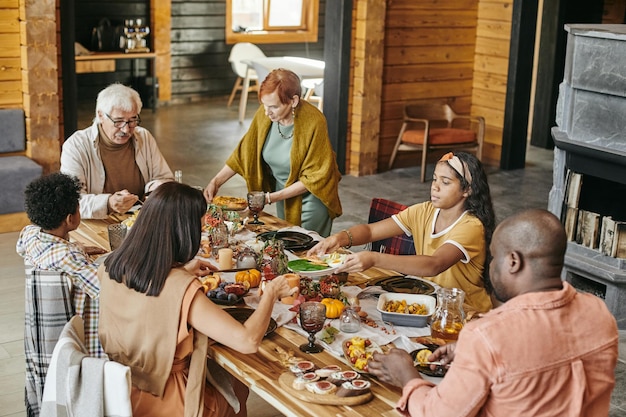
<point>429,55</point>
<point>200,66</point>
<point>10,54</point>
<point>491,71</point>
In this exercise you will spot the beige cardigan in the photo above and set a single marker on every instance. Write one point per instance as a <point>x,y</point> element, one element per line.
<point>313,160</point>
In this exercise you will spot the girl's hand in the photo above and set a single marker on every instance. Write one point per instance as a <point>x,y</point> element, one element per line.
<point>279,288</point>
<point>357,262</point>
<point>328,245</point>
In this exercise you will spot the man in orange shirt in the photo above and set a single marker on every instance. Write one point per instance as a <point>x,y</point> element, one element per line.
<point>548,350</point>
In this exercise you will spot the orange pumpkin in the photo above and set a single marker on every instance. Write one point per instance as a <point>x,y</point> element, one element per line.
<point>334,307</point>
<point>251,276</point>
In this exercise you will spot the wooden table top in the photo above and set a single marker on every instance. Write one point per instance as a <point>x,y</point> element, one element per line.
<point>260,371</point>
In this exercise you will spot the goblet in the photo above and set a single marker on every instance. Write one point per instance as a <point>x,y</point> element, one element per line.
<point>256,202</point>
<point>312,319</point>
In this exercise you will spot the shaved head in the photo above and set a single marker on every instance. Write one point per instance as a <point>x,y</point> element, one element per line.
<point>528,251</point>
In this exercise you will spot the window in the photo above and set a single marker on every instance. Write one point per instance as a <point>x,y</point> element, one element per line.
<point>271,21</point>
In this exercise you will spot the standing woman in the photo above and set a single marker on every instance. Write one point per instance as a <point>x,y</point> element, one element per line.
<point>451,232</point>
<point>155,318</point>
<point>287,153</point>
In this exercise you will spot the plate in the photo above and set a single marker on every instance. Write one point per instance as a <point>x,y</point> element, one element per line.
<point>438,372</point>
<point>368,351</point>
<point>241,315</point>
<point>300,267</point>
<point>405,284</point>
<point>291,240</point>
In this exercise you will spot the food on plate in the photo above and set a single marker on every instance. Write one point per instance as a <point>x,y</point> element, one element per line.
<point>305,265</point>
<point>302,367</point>
<point>230,203</point>
<point>334,307</point>
<point>422,356</point>
<point>302,380</point>
<point>237,289</point>
<point>327,371</point>
<point>227,293</point>
<point>358,351</point>
<point>130,220</point>
<point>339,378</point>
<point>401,306</point>
<point>251,276</point>
<point>354,388</point>
<point>321,387</point>
<point>211,282</point>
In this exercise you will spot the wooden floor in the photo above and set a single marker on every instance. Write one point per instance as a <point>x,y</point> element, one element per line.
<point>197,138</point>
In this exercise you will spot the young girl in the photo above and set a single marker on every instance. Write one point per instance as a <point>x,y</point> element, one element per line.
<point>451,232</point>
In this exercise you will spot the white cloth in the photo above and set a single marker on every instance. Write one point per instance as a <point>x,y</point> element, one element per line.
<point>79,385</point>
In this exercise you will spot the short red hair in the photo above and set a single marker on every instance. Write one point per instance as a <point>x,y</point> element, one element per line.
<point>285,82</point>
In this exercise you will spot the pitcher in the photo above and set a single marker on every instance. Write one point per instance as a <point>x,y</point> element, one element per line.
<point>449,317</point>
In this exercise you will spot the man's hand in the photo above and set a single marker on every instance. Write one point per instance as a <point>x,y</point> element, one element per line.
<point>444,354</point>
<point>122,201</point>
<point>395,367</point>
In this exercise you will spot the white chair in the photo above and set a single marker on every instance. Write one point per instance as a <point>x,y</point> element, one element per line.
<point>244,51</point>
<point>313,91</point>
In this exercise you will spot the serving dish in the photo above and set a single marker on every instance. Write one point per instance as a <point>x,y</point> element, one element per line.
<point>308,268</point>
<point>241,314</point>
<point>359,357</point>
<point>292,241</point>
<point>406,319</point>
<point>405,284</point>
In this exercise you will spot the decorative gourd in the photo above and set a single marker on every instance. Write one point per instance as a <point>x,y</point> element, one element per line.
<point>334,307</point>
<point>251,276</point>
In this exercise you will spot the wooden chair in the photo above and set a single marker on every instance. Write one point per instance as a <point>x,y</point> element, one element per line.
<point>314,89</point>
<point>380,209</point>
<point>239,52</point>
<point>435,126</point>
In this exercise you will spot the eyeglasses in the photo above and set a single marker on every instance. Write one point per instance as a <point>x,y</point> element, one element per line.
<point>121,123</point>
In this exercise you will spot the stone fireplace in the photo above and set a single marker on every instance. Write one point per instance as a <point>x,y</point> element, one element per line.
<point>590,140</point>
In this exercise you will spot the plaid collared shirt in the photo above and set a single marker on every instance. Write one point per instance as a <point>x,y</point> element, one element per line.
<point>50,253</point>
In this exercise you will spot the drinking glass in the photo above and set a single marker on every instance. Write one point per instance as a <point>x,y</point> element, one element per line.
<point>256,202</point>
<point>312,319</point>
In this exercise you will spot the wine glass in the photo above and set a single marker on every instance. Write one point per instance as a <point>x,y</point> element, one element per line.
<point>256,202</point>
<point>312,319</point>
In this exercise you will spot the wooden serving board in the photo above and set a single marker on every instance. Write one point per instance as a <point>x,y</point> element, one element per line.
<point>286,380</point>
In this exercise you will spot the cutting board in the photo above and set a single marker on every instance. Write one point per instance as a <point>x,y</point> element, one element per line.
<point>286,380</point>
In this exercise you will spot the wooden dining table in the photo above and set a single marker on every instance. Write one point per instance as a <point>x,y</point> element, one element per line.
<point>261,371</point>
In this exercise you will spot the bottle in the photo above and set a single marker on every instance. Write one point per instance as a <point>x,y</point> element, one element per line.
<point>449,316</point>
<point>349,321</point>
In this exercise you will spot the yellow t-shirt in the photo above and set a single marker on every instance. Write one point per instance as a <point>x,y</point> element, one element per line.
<point>467,234</point>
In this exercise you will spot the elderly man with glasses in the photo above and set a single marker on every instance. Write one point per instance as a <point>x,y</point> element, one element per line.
<point>117,162</point>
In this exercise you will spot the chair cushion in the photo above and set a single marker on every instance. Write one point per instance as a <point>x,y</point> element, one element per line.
<point>16,172</point>
<point>380,209</point>
<point>444,136</point>
<point>12,130</point>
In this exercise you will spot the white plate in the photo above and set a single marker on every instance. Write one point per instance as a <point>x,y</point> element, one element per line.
<point>334,260</point>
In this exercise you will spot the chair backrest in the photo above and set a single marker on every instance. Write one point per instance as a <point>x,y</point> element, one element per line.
<point>240,51</point>
<point>48,309</point>
<point>380,209</point>
<point>261,71</point>
<point>433,112</point>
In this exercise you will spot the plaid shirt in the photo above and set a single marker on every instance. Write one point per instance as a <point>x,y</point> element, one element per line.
<point>61,281</point>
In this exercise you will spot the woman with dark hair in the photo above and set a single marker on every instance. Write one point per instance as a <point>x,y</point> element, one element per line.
<point>287,153</point>
<point>451,232</point>
<point>155,318</point>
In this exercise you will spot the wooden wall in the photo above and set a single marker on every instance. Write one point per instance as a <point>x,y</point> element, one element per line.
<point>10,53</point>
<point>428,54</point>
<point>491,71</point>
